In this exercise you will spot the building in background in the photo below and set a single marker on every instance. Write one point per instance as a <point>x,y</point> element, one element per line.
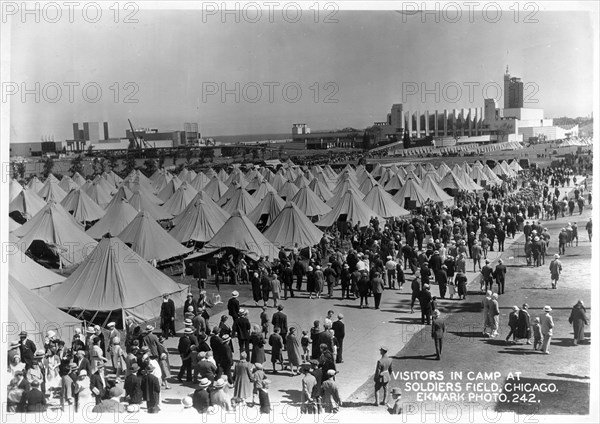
<point>513,91</point>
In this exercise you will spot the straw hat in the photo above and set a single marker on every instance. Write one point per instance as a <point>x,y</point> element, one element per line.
<point>219,384</point>
<point>235,293</point>
<point>187,402</point>
<point>204,382</point>
<point>547,308</point>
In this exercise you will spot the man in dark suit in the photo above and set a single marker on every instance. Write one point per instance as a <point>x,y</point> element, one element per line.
<point>377,286</point>
<point>227,357</point>
<point>167,316</point>
<point>241,327</point>
<point>133,386</point>
<point>27,350</point>
<point>280,320</point>
<point>233,305</point>
<point>287,278</point>
<point>339,331</point>
<point>438,328</point>
<point>98,383</point>
<point>500,274</point>
<point>184,349</point>
<point>83,363</point>
<point>151,390</point>
<point>33,400</point>
<point>425,303</point>
<point>201,398</point>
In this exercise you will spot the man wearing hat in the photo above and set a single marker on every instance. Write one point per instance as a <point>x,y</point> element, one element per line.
<point>83,362</point>
<point>98,383</point>
<point>438,329</point>
<point>395,408</point>
<point>151,389</point>
<point>241,328</point>
<point>487,279</point>
<point>287,277</point>
<point>377,287</point>
<point>390,267</point>
<point>279,319</point>
<point>233,305</point>
<point>331,400</point>
<point>184,349</point>
<point>425,304</point>
<point>133,385</point>
<point>201,397</point>
<point>547,324</point>
<point>330,278</point>
<point>500,275</point>
<point>167,316</point>
<point>112,404</point>
<point>555,270</point>
<point>310,391</point>
<point>383,370</point>
<point>33,400</point>
<point>27,350</point>
<point>339,332</point>
<point>151,340</point>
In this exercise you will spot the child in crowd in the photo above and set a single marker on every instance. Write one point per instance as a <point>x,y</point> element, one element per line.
<point>305,341</point>
<point>537,334</point>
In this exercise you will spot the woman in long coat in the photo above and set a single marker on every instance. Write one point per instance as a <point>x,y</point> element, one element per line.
<point>258,345</point>
<point>294,351</point>
<point>579,320</point>
<point>243,379</point>
<point>524,324</point>
<point>265,284</point>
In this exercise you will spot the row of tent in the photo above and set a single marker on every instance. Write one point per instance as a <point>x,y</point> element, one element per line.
<point>357,196</point>
<point>113,278</point>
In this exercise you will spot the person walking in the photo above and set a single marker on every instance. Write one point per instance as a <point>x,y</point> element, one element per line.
<point>487,280</point>
<point>415,287</point>
<point>241,328</point>
<point>555,270</point>
<point>377,287</point>
<point>524,324</point>
<point>500,275</point>
<point>275,289</point>
<point>242,379</point>
<point>513,324</point>
<point>494,311</point>
<point>294,351</point>
<point>588,228</point>
<point>425,303</point>
<point>461,284</point>
<point>167,316</point>
<point>339,332</point>
<point>579,320</point>
<point>547,324</point>
<point>476,254</point>
<point>438,328</point>
<point>383,370</point>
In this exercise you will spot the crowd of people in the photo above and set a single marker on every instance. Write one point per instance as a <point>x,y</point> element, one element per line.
<point>434,245</point>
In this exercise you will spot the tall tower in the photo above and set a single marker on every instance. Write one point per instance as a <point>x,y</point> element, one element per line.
<point>506,89</point>
<point>513,91</point>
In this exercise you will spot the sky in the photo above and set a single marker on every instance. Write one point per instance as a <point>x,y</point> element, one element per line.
<point>172,66</point>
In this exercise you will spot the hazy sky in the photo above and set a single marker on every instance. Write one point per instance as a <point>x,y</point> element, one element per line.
<point>370,59</point>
